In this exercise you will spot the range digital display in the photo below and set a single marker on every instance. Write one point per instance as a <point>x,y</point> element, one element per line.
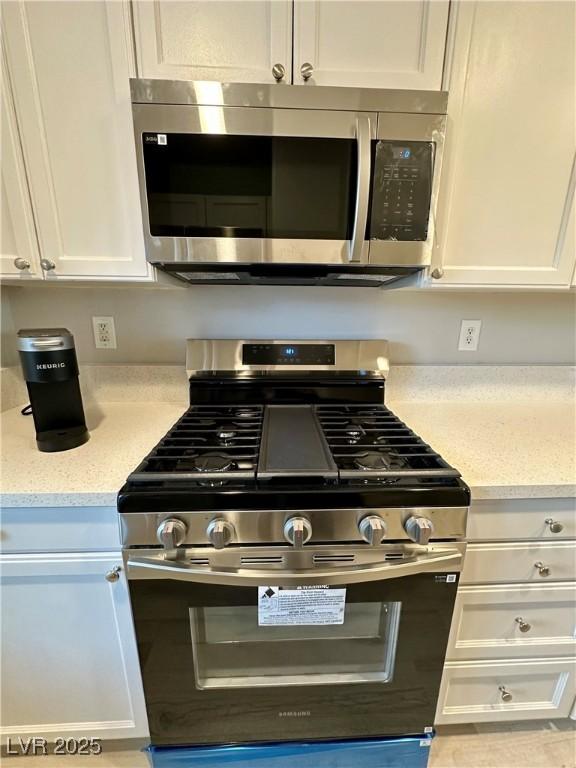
<point>288,354</point>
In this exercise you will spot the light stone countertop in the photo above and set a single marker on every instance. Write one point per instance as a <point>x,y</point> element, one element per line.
<point>91,475</point>
<point>502,449</point>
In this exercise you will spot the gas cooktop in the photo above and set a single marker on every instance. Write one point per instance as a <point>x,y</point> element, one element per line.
<point>270,425</point>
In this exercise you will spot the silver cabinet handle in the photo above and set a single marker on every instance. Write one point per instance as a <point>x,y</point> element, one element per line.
<point>505,695</point>
<point>437,273</point>
<point>363,137</point>
<point>523,626</point>
<point>21,263</point>
<point>278,72</point>
<point>554,525</point>
<point>306,71</point>
<point>446,560</point>
<point>113,574</point>
<point>543,570</point>
<point>47,265</point>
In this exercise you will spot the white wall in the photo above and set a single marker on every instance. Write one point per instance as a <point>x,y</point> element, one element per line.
<point>423,326</point>
<point>8,354</point>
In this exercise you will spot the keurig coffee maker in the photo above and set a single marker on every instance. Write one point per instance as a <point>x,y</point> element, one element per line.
<point>51,373</point>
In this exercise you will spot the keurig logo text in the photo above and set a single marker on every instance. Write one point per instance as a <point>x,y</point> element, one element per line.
<point>46,366</point>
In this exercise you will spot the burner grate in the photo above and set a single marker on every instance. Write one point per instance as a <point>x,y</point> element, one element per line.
<point>209,445</point>
<point>374,442</point>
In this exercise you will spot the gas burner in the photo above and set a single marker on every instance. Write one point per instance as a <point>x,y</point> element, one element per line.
<point>214,462</point>
<point>354,432</point>
<point>226,434</point>
<point>371,461</point>
<point>246,413</point>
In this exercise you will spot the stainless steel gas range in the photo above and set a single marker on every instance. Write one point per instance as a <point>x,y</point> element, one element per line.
<point>293,552</point>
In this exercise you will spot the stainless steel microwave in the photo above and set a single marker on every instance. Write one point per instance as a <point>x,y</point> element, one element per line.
<point>287,184</point>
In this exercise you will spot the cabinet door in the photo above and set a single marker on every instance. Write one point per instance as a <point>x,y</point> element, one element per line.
<point>18,245</point>
<point>229,41</point>
<point>508,180</point>
<point>69,63</point>
<point>69,630</point>
<point>369,44</point>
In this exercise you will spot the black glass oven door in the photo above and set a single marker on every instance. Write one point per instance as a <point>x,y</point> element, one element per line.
<point>216,670</point>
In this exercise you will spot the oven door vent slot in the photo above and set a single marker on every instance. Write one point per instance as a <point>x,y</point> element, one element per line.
<point>394,556</point>
<point>263,560</point>
<point>199,561</point>
<point>336,559</point>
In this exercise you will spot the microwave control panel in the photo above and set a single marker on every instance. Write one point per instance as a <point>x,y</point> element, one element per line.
<point>401,190</point>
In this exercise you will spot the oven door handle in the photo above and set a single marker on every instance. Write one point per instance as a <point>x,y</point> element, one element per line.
<point>363,137</point>
<point>441,560</point>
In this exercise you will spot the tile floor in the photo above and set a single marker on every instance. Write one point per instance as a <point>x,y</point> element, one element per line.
<point>508,745</point>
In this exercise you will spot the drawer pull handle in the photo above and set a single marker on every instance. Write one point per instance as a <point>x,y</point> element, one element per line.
<point>554,525</point>
<point>523,626</point>
<point>505,695</point>
<point>114,574</point>
<point>543,570</point>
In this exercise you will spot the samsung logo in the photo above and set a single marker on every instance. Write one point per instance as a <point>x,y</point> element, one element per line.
<point>295,713</point>
<point>47,366</point>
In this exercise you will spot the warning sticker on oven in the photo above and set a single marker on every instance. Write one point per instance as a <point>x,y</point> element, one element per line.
<point>302,606</point>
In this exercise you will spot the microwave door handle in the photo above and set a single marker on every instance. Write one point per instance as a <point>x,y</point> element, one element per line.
<point>441,560</point>
<point>363,137</point>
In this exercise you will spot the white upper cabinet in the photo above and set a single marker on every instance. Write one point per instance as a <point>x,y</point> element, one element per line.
<point>369,44</point>
<point>508,182</point>
<point>69,64</point>
<point>18,245</point>
<point>227,40</point>
<point>360,43</point>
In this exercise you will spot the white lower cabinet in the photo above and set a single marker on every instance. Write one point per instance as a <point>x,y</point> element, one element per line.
<point>69,661</point>
<point>483,691</point>
<point>512,647</point>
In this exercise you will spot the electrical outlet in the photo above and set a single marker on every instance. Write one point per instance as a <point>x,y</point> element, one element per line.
<point>469,335</point>
<point>104,332</point>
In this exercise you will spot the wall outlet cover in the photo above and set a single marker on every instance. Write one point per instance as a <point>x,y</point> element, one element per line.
<point>469,335</point>
<point>104,332</point>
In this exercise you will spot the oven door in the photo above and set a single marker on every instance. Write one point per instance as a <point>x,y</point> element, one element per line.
<point>267,653</point>
<point>253,185</point>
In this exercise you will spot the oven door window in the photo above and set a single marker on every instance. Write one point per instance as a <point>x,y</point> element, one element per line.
<point>203,185</point>
<point>231,650</point>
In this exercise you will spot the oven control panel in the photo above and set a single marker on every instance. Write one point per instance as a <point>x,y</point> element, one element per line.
<point>288,354</point>
<point>401,190</point>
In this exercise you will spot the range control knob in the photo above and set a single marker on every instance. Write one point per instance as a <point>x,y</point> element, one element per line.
<point>419,529</point>
<point>372,529</point>
<point>297,530</point>
<point>220,532</point>
<point>171,533</point>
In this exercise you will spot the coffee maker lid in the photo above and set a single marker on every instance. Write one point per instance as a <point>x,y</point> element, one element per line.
<point>44,339</point>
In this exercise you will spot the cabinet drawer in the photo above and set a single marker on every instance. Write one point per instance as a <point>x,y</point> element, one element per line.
<point>517,562</point>
<point>514,621</point>
<point>474,692</point>
<point>522,519</point>
<point>59,529</point>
